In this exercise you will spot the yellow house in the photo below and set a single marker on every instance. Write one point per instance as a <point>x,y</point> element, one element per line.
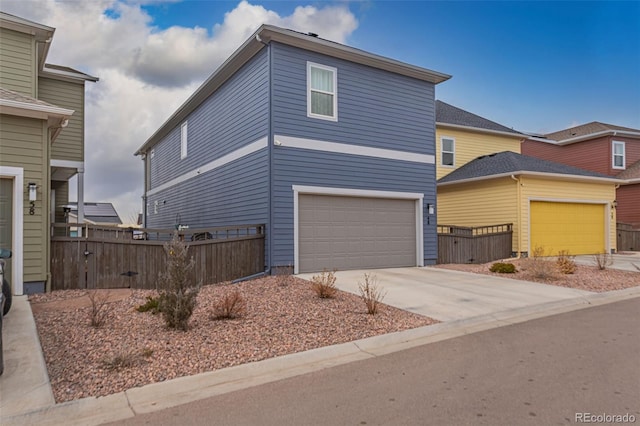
<point>462,136</point>
<point>484,180</point>
<point>552,206</point>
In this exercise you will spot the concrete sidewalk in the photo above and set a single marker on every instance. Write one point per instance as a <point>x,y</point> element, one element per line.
<point>27,397</point>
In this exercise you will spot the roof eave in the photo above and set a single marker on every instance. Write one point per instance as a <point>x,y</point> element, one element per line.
<point>33,110</point>
<point>266,34</point>
<point>597,135</point>
<point>481,130</point>
<point>67,76</point>
<point>541,175</point>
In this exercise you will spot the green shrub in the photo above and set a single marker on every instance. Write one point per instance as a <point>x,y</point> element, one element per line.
<point>503,268</point>
<point>178,294</point>
<point>152,304</point>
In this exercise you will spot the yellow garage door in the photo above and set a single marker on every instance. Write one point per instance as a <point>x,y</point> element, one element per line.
<point>576,227</point>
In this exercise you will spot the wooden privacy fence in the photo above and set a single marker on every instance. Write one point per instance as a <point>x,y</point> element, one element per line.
<point>628,237</point>
<point>110,257</point>
<point>458,244</point>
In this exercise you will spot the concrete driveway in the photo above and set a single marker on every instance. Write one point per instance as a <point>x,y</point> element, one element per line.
<point>626,261</point>
<point>451,295</point>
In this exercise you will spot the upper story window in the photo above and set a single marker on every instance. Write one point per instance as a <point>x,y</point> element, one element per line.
<point>448,151</point>
<point>322,92</point>
<point>183,140</point>
<point>618,155</point>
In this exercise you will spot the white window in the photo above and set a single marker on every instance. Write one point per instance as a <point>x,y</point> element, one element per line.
<point>322,92</point>
<point>183,140</point>
<point>618,155</point>
<point>448,148</point>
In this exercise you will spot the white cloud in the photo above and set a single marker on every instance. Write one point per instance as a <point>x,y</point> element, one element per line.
<point>146,72</point>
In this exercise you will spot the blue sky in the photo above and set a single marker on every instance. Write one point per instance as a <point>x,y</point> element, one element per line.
<point>534,66</point>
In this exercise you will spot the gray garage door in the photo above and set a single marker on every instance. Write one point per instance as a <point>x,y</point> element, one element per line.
<point>355,233</point>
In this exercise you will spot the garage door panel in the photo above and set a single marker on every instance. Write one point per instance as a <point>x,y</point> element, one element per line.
<point>355,232</point>
<point>576,227</point>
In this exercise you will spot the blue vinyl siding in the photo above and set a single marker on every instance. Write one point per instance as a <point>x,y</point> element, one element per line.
<point>235,115</point>
<point>375,108</point>
<point>234,194</point>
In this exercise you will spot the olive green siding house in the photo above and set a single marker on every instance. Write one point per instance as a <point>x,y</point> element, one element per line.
<point>41,147</point>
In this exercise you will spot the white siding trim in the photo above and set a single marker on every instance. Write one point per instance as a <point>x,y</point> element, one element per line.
<point>343,148</point>
<point>17,268</point>
<point>225,159</point>
<point>352,192</point>
<point>68,164</point>
<point>184,140</point>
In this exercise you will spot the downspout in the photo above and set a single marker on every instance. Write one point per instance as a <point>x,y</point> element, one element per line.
<point>518,215</point>
<point>269,229</point>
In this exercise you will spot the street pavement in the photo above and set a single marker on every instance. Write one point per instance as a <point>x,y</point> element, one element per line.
<point>541,372</point>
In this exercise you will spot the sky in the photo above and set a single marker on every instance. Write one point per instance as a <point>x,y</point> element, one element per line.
<point>533,66</point>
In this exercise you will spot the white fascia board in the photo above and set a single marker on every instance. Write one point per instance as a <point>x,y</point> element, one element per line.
<point>343,148</point>
<point>68,164</point>
<point>212,165</point>
<point>11,107</point>
<point>599,134</point>
<point>480,130</point>
<point>353,192</point>
<point>541,175</point>
<point>67,75</point>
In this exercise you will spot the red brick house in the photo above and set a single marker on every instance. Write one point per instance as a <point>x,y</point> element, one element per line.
<point>599,147</point>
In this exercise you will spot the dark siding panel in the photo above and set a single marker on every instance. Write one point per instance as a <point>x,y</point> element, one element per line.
<point>628,197</point>
<point>300,167</point>
<point>375,108</point>
<point>236,115</point>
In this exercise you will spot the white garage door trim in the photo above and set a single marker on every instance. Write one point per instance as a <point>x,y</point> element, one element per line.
<point>607,218</point>
<point>320,190</point>
<point>17,174</point>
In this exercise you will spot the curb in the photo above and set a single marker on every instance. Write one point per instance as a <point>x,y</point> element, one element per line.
<point>158,396</point>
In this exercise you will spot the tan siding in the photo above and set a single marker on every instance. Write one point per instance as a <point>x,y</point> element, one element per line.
<point>484,203</point>
<point>17,56</point>
<point>554,190</point>
<point>69,144</point>
<point>470,145</point>
<point>23,144</point>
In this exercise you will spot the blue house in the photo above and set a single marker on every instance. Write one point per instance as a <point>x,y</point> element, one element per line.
<point>331,147</point>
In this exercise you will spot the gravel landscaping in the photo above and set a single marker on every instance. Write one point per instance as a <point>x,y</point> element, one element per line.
<point>133,349</point>
<point>585,277</point>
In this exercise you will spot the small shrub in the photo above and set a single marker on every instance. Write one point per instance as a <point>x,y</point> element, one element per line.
<point>147,352</point>
<point>603,260</point>
<point>565,262</point>
<point>152,304</point>
<point>98,310</point>
<point>371,293</point>
<point>123,358</point>
<point>283,275</point>
<point>324,284</point>
<point>503,268</point>
<point>179,294</point>
<point>539,267</point>
<point>230,306</point>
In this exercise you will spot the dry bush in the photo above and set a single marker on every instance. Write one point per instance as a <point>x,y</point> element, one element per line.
<point>565,262</point>
<point>284,275</point>
<point>603,260</point>
<point>538,266</point>
<point>122,358</point>
<point>229,306</point>
<point>178,294</point>
<point>98,310</point>
<point>371,293</point>
<point>324,284</point>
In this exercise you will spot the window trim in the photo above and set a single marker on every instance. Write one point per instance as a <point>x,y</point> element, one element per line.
<point>614,155</point>
<point>334,71</point>
<point>442,151</point>
<point>184,139</point>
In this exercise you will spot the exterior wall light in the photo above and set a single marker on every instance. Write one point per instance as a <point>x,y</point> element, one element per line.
<point>33,195</point>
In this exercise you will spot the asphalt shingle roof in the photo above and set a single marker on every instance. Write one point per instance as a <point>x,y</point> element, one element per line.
<point>632,172</point>
<point>586,129</point>
<point>10,95</point>
<point>510,162</point>
<point>448,114</point>
<point>98,212</point>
